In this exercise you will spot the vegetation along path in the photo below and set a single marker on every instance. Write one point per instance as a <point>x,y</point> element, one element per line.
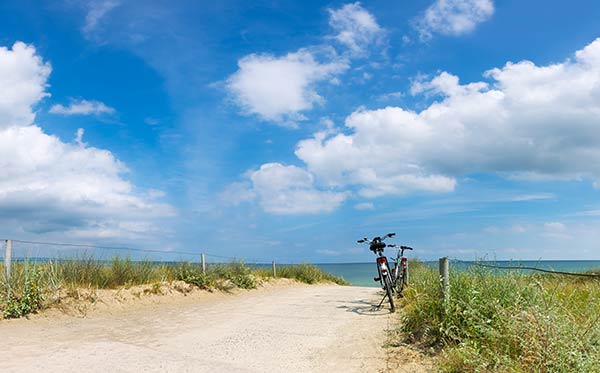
<point>293,328</point>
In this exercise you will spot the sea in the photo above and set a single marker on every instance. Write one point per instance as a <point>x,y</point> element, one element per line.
<point>361,274</point>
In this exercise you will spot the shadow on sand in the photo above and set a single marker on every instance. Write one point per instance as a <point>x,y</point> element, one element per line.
<point>365,307</point>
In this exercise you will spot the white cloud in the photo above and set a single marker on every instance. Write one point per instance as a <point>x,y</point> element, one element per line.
<point>283,189</point>
<point>364,206</point>
<point>453,17</point>
<point>588,213</point>
<point>555,226</point>
<point>23,77</point>
<point>96,11</point>
<point>83,107</point>
<point>532,197</point>
<point>531,122</point>
<point>390,96</point>
<point>556,230</point>
<point>356,28</point>
<point>46,184</point>
<point>329,252</point>
<point>280,88</point>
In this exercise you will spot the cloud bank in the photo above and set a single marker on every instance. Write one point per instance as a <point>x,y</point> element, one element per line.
<point>529,122</point>
<point>47,185</point>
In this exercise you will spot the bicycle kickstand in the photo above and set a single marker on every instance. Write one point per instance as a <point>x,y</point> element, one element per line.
<point>380,303</point>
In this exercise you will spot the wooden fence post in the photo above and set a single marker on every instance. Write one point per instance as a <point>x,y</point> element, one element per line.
<point>274,270</point>
<point>203,260</point>
<point>7,258</point>
<point>445,278</point>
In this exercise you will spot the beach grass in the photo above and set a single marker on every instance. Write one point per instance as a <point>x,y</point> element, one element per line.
<point>32,283</point>
<point>306,273</point>
<point>504,322</point>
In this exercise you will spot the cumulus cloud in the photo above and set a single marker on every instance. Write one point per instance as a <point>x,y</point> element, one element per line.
<point>48,185</point>
<point>83,107</point>
<point>23,77</point>
<point>356,28</point>
<point>280,88</point>
<point>283,189</point>
<point>453,17</point>
<point>530,122</point>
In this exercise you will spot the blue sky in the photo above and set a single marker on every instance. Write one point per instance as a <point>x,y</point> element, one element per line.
<point>287,130</point>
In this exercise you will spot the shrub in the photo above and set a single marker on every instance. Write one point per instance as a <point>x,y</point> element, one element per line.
<point>26,300</point>
<point>236,272</point>
<point>192,274</point>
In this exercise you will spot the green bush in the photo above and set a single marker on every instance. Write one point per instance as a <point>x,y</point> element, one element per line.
<point>192,274</point>
<point>506,322</point>
<point>237,272</point>
<point>26,299</point>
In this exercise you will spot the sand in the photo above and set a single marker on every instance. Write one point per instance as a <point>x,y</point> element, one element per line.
<point>281,327</point>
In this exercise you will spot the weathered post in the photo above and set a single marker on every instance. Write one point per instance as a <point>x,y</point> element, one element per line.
<point>274,270</point>
<point>445,278</point>
<point>7,258</point>
<point>203,260</point>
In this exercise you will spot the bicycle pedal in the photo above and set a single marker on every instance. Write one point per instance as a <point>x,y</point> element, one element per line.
<point>378,278</point>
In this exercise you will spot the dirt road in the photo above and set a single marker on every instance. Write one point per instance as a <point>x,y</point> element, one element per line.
<point>295,328</point>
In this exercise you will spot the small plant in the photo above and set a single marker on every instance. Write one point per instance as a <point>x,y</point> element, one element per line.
<point>239,274</point>
<point>192,275</point>
<point>30,298</point>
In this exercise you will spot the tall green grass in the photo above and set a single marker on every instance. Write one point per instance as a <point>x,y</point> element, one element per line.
<point>511,322</point>
<point>32,285</point>
<point>306,273</point>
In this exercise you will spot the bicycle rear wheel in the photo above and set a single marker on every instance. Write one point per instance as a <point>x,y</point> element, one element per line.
<point>402,282</point>
<point>390,292</point>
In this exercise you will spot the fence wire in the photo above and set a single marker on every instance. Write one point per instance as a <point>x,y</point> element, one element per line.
<point>45,250</point>
<point>528,268</point>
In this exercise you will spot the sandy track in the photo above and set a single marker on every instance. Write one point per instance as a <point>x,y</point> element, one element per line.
<point>282,329</point>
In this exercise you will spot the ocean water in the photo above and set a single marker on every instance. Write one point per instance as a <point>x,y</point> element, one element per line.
<point>361,274</point>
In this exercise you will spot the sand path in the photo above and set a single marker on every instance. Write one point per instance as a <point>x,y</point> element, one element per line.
<point>296,328</point>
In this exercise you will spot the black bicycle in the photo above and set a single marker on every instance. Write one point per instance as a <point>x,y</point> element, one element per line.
<point>376,245</point>
<point>400,271</point>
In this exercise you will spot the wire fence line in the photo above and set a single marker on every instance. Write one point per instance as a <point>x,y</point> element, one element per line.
<point>528,268</point>
<point>45,250</point>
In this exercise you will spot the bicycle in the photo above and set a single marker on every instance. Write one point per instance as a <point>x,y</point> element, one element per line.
<point>376,245</point>
<point>400,271</point>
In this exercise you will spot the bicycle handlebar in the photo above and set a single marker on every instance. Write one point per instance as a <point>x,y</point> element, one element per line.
<point>366,240</point>
<point>400,247</point>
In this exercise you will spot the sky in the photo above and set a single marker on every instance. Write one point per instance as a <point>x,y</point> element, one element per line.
<point>287,130</point>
